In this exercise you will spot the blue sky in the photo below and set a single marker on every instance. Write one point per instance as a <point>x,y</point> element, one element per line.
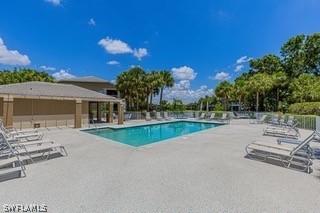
<point>201,42</point>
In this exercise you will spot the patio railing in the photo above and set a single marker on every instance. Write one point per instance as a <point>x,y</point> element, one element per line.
<point>304,121</point>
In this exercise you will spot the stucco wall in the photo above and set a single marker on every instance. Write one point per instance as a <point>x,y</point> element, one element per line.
<point>42,107</point>
<point>47,113</point>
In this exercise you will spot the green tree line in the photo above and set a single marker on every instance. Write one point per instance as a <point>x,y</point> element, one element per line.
<point>138,87</point>
<point>274,82</point>
<point>23,75</point>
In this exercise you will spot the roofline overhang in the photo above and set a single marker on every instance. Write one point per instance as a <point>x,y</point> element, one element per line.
<point>61,98</point>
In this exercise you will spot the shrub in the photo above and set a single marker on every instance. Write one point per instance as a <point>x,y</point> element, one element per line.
<point>218,107</point>
<point>307,108</point>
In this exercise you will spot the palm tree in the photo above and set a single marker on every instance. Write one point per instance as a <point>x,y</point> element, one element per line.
<point>240,90</point>
<point>166,81</point>
<point>132,86</point>
<point>152,82</point>
<point>279,81</point>
<point>223,91</point>
<point>123,86</point>
<point>259,84</point>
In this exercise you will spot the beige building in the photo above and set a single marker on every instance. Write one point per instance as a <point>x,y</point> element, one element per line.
<point>42,104</point>
<point>96,109</point>
<point>93,83</point>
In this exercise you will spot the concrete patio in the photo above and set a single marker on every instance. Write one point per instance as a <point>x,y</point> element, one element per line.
<point>201,172</point>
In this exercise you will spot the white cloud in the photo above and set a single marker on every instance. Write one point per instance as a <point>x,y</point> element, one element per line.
<point>12,57</point>
<point>44,67</point>
<point>222,76</point>
<point>54,2</point>
<point>113,62</point>
<point>183,91</point>
<point>241,63</point>
<point>243,59</point>
<point>113,81</point>
<point>183,73</point>
<point>182,85</point>
<point>140,53</point>
<point>92,22</point>
<point>115,46</point>
<point>62,74</point>
<point>134,65</point>
<point>238,68</point>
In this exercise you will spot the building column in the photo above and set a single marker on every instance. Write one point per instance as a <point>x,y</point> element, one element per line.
<point>110,114</point>
<point>8,111</point>
<point>98,112</point>
<point>78,114</point>
<point>120,113</point>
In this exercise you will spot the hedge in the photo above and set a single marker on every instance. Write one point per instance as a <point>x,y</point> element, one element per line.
<point>307,108</point>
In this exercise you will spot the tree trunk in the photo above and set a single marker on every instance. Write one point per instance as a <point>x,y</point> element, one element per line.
<point>225,103</point>
<point>148,103</point>
<point>240,104</point>
<point>278,91</point>
<point>151,99</point>
<point>160,101</point>
<point>137,103</point>
<point>257,103</point>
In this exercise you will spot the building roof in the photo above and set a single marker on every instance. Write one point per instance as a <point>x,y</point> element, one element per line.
<point>45,90</point>
<point>91,79</point>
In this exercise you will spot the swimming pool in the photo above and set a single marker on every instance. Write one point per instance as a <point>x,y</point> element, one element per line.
<point>146,134</point>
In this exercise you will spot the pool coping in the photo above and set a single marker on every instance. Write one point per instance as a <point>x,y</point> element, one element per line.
<point>121,126</point>
<point>84,130</point>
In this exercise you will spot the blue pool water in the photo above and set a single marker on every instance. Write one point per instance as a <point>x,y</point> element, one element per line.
<point>142,135</point>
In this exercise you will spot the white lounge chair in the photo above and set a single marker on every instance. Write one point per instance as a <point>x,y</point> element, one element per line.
<point>165,116</point>
<point>158,116</point>
<point>289,155</point>
<point>281,132</point>
<point>11,165</point>
<point>224,118</point>
<point>21,135</point>
<point>291,123</point>
<point>275,120</point>
<point>33,149</point>
<point>259,120</point>
<point>212,116</point>
<point>202,116</point>
<point>240,116</point>
<point>148,117</point>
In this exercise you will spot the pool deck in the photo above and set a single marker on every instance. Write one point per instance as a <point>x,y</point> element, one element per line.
<point>201,172</point>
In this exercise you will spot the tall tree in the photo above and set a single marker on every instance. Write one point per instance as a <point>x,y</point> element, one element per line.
<point>223,91</point>
<point>279,80</point>
<point>259,84</point>
<point>267,64</point>
<point>152,82</point>
<point>166,81</point>
<point>301,54</point>
<point>131,85</point>
<point>294,56</point>
<point>305,88</point>
<point>312,49</point>
<point>240,89</point>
